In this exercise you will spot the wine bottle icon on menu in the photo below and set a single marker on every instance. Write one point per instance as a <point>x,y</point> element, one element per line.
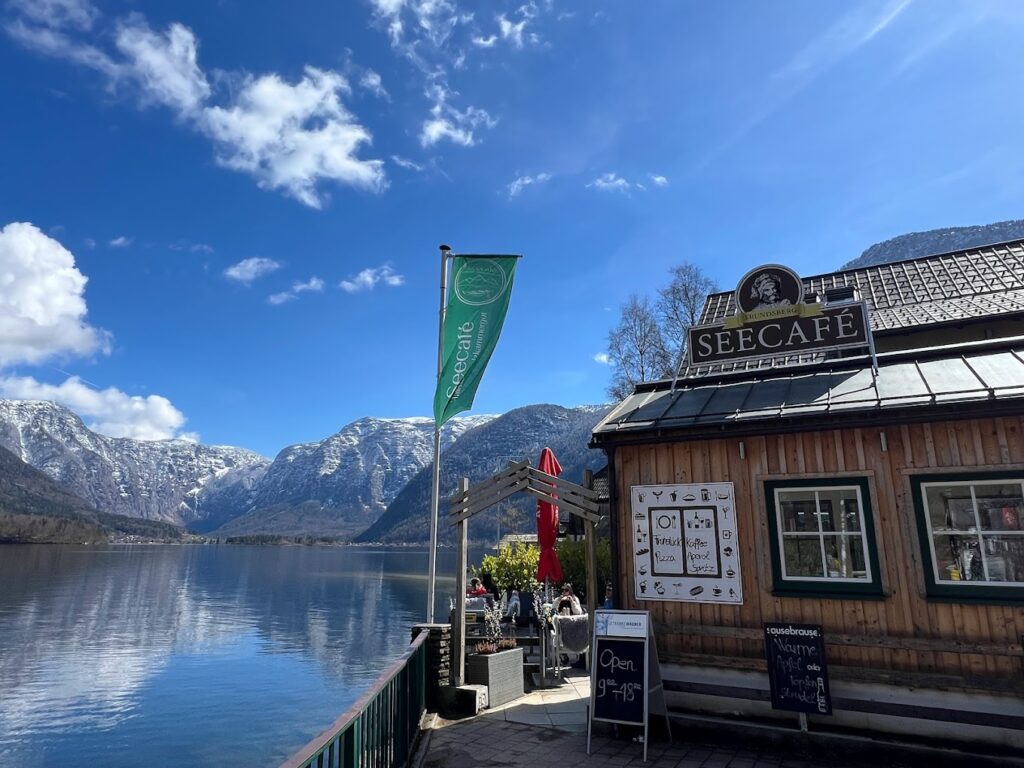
<point>641,534</point>
<point>822,704</point>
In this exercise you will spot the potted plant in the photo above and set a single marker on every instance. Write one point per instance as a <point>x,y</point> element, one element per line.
<point>497,662</point>
<point>515,568</point>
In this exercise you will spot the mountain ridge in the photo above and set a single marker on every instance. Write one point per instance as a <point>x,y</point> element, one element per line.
<point>912,245</point>
<point>520,433</point>
<point>33,508</point>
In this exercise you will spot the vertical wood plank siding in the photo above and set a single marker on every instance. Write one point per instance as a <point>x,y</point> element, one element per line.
<point>982,444</point>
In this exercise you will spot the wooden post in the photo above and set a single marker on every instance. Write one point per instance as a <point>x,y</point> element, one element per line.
<point>459,630</point>
<point>588,529</point>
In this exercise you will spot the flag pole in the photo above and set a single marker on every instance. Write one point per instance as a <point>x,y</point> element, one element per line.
<point>435,487</point>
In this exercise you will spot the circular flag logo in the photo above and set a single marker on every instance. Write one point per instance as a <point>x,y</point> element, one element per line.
<point>479,282</point>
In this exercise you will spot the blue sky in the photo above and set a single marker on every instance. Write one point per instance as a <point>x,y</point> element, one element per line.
<point>255,192</point>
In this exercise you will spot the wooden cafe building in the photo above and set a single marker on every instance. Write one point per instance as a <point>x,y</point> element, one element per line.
<point>845,451</point>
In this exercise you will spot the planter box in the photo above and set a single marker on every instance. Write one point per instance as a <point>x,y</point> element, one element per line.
<point>501,672</point>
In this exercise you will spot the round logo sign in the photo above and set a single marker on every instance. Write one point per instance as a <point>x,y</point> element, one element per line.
<point>769,287</point>
<point>480,282</point>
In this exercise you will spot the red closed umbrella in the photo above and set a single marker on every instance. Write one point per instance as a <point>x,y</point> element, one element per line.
<point>547,524</point>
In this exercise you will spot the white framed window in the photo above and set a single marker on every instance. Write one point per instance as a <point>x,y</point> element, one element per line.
<point>973,533</point>
<point>823,537</point>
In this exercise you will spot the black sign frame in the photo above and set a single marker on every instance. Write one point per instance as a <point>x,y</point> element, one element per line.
<point>797,668</point>
<point>826,330</point>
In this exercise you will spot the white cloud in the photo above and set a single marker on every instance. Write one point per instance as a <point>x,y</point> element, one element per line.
<point>424,33</point>
<point>367,279</point>
<point>165,65</point>
<point>602,358</point>
<point>372,82</point>
<point>313,284</point>
<point>248,270</point>
<point>519,184</point>
<point>447,123</point>
<point>388,7</point>
<point>89,243</point>
<point>409,165</point>
<point>610,182</point>
<point>50,41</point>
<point>484,42</point>
<point>58,14</point>
<point>659,181</point>
<point>107,411</point>
<point>42,300</point>
<point>189,247</point>
<point>511,31</point>
<point>290,137</point>
<point>121,241</point>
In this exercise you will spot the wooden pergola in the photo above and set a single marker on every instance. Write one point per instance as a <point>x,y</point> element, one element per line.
<point>517,477</point>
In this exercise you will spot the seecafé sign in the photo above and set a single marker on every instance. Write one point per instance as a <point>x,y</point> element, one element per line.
<point>772,319</point>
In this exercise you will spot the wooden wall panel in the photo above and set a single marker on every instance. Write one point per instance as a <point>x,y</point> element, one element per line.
<point>904,613</point>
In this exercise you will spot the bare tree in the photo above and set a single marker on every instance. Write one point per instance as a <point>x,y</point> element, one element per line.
<point>679,306</point>
<point>636,348</point>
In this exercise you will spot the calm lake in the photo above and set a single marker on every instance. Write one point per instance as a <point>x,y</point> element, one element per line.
<point>195,655</point>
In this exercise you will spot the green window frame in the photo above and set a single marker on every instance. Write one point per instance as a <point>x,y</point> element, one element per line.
<point>847,555</point>
<point>971,530</point>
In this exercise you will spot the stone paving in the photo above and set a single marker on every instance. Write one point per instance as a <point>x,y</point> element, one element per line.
<point>548,727</point>
<point>491,742</point>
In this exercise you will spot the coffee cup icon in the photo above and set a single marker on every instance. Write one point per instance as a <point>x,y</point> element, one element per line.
<point>716,591</point>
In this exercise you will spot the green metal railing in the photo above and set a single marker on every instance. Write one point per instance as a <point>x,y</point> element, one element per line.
<point>380,729</point>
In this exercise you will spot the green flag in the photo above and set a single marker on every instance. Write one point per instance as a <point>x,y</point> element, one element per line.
<point>477,303</point>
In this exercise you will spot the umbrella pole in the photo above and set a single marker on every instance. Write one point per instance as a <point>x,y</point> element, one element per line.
<point>543,636</point>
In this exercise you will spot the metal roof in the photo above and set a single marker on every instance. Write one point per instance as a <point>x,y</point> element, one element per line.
<point>943,378</point>
<point>947,287</point>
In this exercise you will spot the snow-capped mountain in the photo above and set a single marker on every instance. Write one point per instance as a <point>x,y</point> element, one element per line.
<point>338,485</point>
<point>518,434</point>
<point>154,480</point>
<point>373,472</point>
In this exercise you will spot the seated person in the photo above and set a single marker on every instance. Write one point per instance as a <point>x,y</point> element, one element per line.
<point>476,589</point>
<point>568,604</point>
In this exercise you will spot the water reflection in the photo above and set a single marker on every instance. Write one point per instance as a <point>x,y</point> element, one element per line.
<point>248,650</point>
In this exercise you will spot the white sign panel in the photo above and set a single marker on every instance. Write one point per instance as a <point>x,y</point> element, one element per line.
<point>621,623</point>
<point>685,546</point>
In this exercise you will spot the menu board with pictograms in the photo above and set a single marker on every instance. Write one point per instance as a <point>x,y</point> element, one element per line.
<point>685,546</point>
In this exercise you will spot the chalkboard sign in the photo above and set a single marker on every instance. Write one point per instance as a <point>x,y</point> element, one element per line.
<point>619,680</point>
<point>625,677</point>
<point>797,669</point>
